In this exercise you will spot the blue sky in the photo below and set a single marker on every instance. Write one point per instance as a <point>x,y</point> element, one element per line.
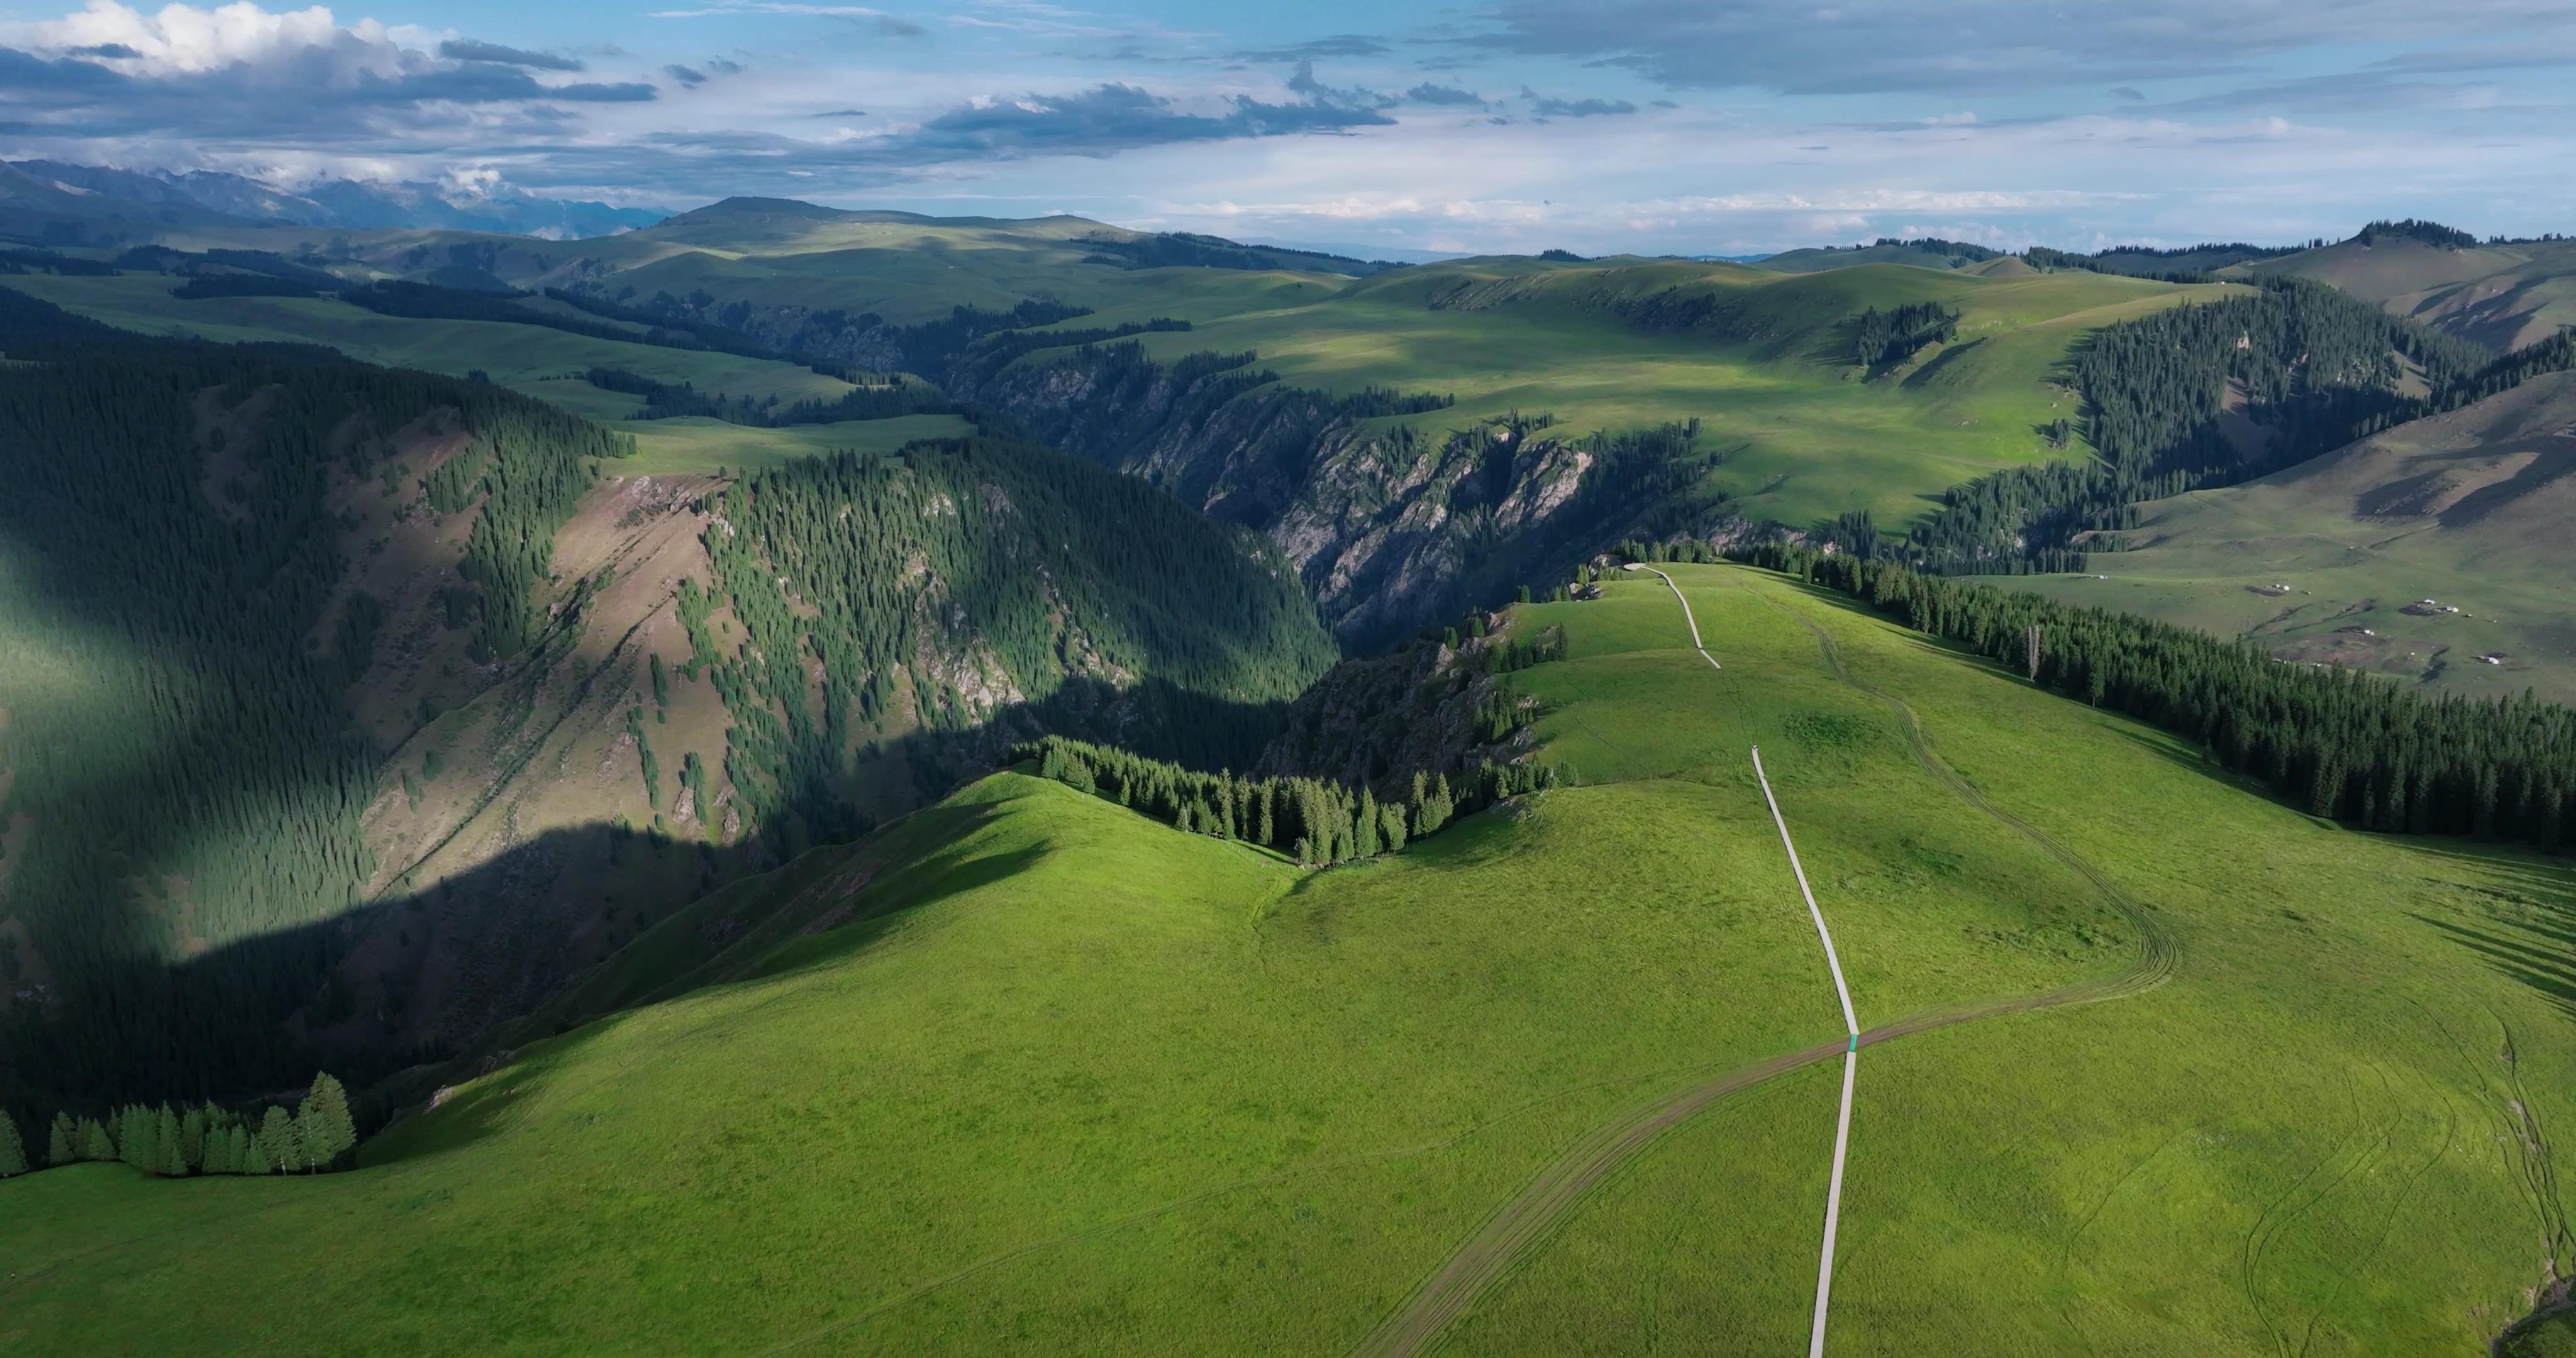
<point>1659,126</point>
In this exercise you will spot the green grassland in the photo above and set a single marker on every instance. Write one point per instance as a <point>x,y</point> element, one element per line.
<point>1025,1071</point>
<point>542,362</point>
<point>1806,434</point>
<point>904,267</point>
<point>513,355</point>
<point>2469,508</point>
<point>696,445</point>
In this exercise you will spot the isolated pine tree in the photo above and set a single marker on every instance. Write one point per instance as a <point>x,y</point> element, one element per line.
<point>13,1152</point>
<point>62,1144</point>
<point>329,1132</point>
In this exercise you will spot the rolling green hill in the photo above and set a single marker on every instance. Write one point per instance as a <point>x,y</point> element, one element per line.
<point>2151,1063</point>
<point>2324,561</point>
<point>1922,254</point>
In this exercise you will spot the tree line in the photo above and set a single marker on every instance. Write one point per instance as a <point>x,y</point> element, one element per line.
<point>1314,821</point>
<point>2317,368</point>
<point>314,1137</point>
<point>2332,741</point>
<point>870,401</point>
<point>1884,338</point>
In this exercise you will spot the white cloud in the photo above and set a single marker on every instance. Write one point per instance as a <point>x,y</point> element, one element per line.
<point>186,39</point>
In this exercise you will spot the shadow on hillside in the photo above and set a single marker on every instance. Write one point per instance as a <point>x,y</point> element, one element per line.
<point>2545,969</point>
<point>413,980</point>
<point>1941,362</point>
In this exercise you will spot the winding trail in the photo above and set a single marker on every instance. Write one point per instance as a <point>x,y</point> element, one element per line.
<point>1851,1067</point>
<point>1524,1220</point>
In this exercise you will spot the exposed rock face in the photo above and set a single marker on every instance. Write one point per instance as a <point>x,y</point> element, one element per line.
<point>1425,706</point>
<point>1391,527</point>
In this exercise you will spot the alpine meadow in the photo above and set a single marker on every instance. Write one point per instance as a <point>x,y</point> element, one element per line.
<point>1379,681</point>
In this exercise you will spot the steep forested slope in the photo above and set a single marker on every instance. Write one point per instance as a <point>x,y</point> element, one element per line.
<point>350,708</point>
<point>2209,396</point>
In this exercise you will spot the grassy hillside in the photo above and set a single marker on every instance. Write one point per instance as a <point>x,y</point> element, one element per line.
<point>541,362</point>
<point>2501,296</point>
<point>1028,1071</point>
<point>1762,359</point>
<point>1922,254</point>
<point>2471,509</point>
<point>1757,353</point>
<point>902,266</point>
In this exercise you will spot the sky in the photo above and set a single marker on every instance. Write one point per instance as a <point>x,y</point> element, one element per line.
<point>1647,126</point>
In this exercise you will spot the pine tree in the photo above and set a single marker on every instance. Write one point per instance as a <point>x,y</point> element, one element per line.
<point>254,1150</point>
<point>192,1138</point>
<point>95,1141</point>
<point>174,1154</point>
<point>13,1152</point>
<point>324,1120</point>
<point>140,1138</point>
<point>62,1144</point>
<point>278,1142</point>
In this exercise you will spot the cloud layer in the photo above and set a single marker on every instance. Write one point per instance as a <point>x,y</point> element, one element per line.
<point>1695,126</point>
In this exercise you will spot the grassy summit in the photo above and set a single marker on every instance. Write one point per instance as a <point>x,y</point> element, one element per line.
<point>1028,1071</point>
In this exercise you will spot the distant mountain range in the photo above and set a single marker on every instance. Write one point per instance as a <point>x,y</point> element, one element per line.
<point>49,202</point>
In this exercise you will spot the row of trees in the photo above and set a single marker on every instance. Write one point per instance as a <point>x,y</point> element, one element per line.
<point>1313,820</point>
<point>2333,741</point>
<point>2315,368</point>
<point>1892,336</point>
<point>314,1137</point>
<point>872,401</point>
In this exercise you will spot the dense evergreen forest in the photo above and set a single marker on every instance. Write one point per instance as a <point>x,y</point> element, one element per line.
<point>2333,742</point>
<point>855,576</point>
<point>2310,367</point>
<point>186,768</point>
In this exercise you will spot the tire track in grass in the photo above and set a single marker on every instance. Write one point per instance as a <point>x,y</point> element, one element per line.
<point>1529,1217</point>
<point>2158,947</point>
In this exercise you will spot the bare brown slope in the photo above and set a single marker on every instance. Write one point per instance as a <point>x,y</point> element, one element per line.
<point>2330,561</point>
<point>2501,296</point>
